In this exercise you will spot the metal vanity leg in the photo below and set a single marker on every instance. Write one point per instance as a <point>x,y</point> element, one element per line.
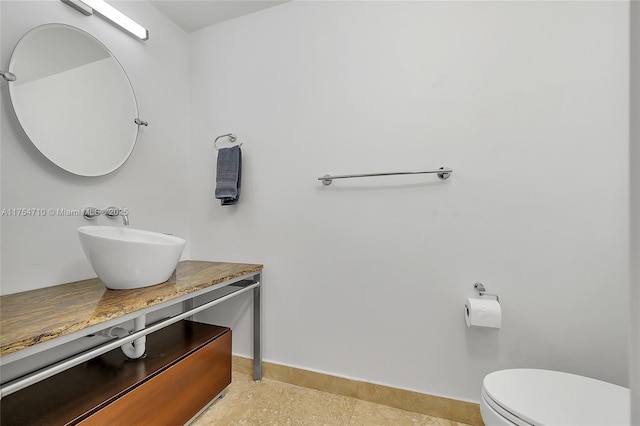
<point>187,305</point>
<point>257,332</point>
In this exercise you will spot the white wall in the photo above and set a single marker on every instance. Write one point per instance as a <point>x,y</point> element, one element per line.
<point>367,278</point>
<point>634,354</point>
<point>526,101</point>
<point>44,251</point>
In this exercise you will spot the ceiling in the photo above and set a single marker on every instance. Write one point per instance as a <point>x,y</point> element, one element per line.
<point>192,15</point>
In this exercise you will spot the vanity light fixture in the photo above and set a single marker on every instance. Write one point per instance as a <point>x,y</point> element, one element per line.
<point>110,13</point>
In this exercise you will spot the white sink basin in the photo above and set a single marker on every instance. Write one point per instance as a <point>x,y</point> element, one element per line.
<point>126,258</point>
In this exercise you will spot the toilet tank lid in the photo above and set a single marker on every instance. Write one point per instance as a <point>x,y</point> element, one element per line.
<point>545,397</point>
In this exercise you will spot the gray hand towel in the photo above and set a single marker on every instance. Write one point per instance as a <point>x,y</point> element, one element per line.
<point>228,175</point>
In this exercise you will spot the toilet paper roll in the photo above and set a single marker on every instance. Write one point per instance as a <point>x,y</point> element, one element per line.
<point>482,313</point>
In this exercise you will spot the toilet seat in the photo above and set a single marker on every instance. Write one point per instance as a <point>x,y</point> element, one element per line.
<point>495,415</point>
<point>526,397</point>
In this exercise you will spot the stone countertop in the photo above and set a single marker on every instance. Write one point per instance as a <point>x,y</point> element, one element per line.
<point>36,316</point>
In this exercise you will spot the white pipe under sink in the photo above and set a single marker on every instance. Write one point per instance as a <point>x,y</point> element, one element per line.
<point>133,349</point>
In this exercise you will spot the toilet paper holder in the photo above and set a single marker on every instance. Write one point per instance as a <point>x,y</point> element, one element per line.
<point>483,292</point>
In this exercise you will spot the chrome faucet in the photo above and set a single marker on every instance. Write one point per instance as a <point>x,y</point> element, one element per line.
<point>90,213</point>
<point>113,212</point>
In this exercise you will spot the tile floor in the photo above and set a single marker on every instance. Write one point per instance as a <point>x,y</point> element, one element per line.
<point>275,403</point>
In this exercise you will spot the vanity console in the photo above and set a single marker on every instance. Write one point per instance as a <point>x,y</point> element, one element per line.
<point>186,365</point>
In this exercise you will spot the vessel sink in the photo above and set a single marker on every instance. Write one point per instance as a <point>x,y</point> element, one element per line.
<point>127,258</point>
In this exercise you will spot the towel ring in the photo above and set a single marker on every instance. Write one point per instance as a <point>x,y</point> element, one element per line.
<point>232,138</point>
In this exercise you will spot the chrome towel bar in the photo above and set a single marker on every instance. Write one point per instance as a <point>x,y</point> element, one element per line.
<point>442,172</point>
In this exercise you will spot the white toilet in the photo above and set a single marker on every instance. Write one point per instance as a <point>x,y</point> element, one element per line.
<point>551,398</point>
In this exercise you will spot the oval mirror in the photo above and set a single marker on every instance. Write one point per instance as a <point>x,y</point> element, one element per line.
<point>73,99</point>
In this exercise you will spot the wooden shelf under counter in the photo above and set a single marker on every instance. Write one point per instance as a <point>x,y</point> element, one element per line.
<point>186,366</point>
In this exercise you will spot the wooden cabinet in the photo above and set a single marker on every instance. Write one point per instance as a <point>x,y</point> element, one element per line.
<point>187,364</point>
